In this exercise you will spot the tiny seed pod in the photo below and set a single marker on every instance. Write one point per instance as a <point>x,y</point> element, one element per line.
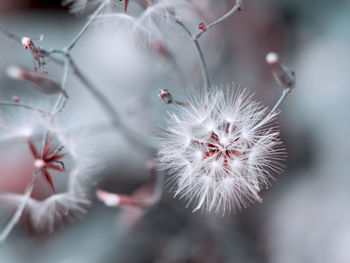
<point>282,74</point>
<point>40,82</point>
<point>165,96</point>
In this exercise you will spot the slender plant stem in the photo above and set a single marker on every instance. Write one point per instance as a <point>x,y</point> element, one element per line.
<point>236,8</point>
<point>20,208</point>
<point>273,110</point>
<point>86,27</point>
<point>204,68</point>
<point>61,98</point>
<point>9,35</point>
<point>24,106</point>
<point>104,102</point>
<point>280,100</point>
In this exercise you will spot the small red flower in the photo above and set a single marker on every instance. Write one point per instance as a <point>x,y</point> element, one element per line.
<point>219,150</point>
<point>202,27</point>
<point>51,158</point>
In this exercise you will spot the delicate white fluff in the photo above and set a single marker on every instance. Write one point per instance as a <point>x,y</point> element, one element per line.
<point>218,156</point>
<point>148,26</point>
<point>79,6</point>
<point>49,214</point>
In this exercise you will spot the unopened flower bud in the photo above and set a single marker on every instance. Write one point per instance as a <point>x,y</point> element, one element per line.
<point>114,200</point>
<point>159,47</point>
<point>15,99</point>
<point>26,42</point>
<point>37,80</point>
<point>202,26</point>
<point>284,76</point>
<point>165,96</point>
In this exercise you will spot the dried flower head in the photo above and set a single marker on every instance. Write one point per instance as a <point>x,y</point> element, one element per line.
<point>221,148</point>
<point>39,56</point>
<point>65,160</point>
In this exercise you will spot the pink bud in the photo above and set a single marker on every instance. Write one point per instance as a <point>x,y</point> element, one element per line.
<point>165,96</point>
<point>107,198</point>
<point>111,199</point>
<point>40,82</point>
<point>15,99</point>
<point>282,74</point>
<point>26,42</point>
<point>202,26</point>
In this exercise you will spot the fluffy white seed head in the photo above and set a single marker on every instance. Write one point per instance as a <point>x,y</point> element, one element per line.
<point>218,157</point>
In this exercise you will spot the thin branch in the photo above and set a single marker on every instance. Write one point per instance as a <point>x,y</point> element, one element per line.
<point>9,35</point>
<point>62,99</point>
<point>110,110</point>
<point>104,102</point>
<point>204,68</point>
<point>86,27</point>
<point>19,211</point>
<point>280,100</point>
<point>285,93</point>
<point>24,106</point>
<point>236,8</point>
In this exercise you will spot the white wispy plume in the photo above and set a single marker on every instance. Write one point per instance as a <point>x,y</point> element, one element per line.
<point>221,148</point>
<point>147,26</point>
<point>66,160</point>
<point>107,6</point>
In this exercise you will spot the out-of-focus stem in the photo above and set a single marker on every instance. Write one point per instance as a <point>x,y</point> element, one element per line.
<point>236,7</point>
<point>19,211</point>
<point>203,64</point>
<point>60,100</point>
<point>24,106</point>
<point>158,188</point>
<point>105,103</point>
<point>9,35</point>
<point>110,110</point>
<point>86,27</point>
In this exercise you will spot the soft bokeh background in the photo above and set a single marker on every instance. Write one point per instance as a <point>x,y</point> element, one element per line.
<point>305,215</point>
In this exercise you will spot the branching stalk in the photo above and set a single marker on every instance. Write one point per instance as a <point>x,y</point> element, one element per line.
<point>24,106</point>
<point>110,110</point>
<point>204,68</point>
<point>236,8</point>
<point>9,35</point>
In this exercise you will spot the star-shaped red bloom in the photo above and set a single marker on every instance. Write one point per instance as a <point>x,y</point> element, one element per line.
<point>217,149</point>
<point>50,158</point>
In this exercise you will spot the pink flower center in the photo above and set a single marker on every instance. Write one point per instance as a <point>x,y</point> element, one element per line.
<point>39,163</point>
